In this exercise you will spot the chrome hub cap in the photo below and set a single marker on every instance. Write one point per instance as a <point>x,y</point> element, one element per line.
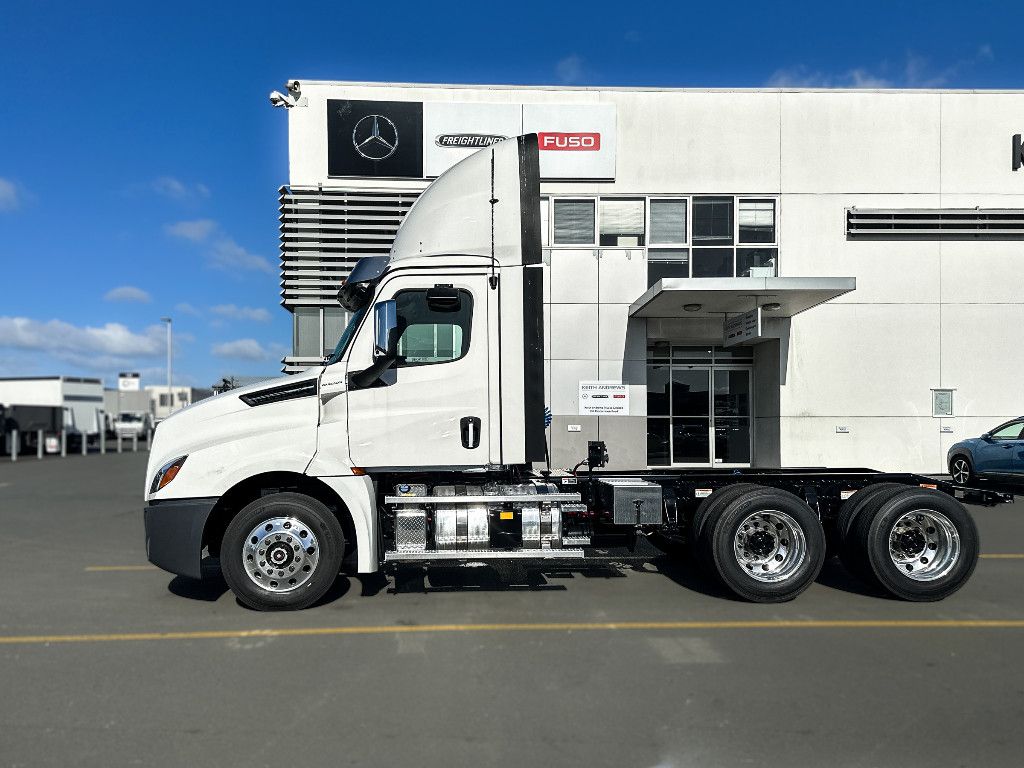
<point>924,545</point>
<point>770,546</point>
<point>280,554</point>
<point>961,471</point>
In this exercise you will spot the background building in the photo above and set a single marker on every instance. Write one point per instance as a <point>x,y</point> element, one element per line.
<point>863,250</point>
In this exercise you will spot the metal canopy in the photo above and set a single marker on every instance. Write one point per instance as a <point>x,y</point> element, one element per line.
<point>719,295</point>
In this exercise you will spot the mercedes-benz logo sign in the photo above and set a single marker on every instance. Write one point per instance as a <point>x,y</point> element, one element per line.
<point>375,137</point>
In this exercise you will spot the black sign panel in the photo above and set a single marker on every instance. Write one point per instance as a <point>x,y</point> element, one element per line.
<point>374,138</point>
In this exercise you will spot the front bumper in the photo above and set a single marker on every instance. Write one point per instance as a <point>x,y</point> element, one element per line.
<point>174,534</point>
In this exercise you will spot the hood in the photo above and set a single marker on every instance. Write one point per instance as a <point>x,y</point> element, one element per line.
<point>220,418</point>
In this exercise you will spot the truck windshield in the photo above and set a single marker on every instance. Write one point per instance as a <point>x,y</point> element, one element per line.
<point>347,334</point>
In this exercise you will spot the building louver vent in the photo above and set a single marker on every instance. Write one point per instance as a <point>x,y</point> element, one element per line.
<point>324,232</point>
<point>276,394</point>
<point>935,223</point>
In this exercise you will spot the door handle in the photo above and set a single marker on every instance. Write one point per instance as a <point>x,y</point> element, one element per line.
<point>470,426</point>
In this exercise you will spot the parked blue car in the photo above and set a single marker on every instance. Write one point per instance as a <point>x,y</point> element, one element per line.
<point>996,455</point>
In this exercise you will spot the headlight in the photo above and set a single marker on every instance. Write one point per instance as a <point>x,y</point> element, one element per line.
<point>166,473</point>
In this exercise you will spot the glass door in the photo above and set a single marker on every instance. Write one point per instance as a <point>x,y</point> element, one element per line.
<point>699,412</point>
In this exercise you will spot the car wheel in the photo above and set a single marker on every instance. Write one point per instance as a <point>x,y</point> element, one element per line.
<point>961,471</point>
<point>282,552</point>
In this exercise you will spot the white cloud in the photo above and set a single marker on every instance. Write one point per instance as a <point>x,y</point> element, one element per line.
<point>10,197</point>
<point>175,189</point>
<point>570,69</point>
<point>258,314</point>
<point>241,349</point>
<point>223,252</point>
<point>185,308</point>
<point>127,293</point>
<point>229,255</point>
<point>802,77</point>
<point>196,230</point>
<point>916,71</point>
<point>80,342</point>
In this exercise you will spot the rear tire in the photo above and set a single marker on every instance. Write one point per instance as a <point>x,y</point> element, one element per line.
<point>767,545</point>
<point>919,545</point>
<point>961,470</point>
<point>282,552</point>
<point>863,503</point>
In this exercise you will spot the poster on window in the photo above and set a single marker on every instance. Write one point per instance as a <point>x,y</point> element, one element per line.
<point>604,398</point>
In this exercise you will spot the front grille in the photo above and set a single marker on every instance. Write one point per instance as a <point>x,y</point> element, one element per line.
<point>935,223</point>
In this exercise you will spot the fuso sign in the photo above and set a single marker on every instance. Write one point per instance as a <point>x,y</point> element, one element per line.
<point>571,142</point>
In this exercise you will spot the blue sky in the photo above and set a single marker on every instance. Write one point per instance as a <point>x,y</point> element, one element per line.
<point>140,159</point>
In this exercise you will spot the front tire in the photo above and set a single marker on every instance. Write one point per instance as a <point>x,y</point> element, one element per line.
<point>283,551</point>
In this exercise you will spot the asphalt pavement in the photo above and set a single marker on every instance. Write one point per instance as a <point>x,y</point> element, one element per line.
<point>106,661</point>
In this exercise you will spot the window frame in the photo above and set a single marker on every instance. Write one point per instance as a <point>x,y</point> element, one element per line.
<point>685,200</point>
<point>740,199</point>
<point>642,199</point>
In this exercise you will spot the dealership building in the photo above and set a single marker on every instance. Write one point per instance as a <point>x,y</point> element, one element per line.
<point>770,277</point>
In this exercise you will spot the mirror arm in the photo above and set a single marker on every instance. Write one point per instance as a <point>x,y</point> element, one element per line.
<point>370,376</point>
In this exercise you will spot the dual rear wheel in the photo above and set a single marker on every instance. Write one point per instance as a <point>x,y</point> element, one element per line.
<point>917,544</point>
<point>767,545</point>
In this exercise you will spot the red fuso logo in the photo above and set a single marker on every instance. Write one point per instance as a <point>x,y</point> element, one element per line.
<point>570,142</point>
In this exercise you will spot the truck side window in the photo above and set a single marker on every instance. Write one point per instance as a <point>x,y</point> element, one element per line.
<point>429,336</point>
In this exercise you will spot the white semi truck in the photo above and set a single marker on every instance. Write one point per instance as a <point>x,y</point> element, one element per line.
<point>416,444</point>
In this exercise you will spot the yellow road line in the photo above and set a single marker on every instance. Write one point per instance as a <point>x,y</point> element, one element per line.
<point>541,627</point>
<point>1007,556</point>
<point>121,568</point>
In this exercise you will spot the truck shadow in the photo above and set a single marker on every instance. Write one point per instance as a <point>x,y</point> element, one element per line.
<point>834,575</point>
<point>491,578</point>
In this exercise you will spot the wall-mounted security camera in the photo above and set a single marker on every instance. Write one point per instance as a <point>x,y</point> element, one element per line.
<point>294,86</point>
<point>279,99</point>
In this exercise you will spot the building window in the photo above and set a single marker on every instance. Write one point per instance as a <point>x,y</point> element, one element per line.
<point>432,336</point>
<point>712,221</point>
<point>307,332</point>
<point>622,222</point>
<point>668,221</point>
<point>761,260</point>
<point>163,400</point>
<point>335,320</point>
<point>575,221</point>
<point>667,262</point>
<point>712,262</point>
<point>757,221</point>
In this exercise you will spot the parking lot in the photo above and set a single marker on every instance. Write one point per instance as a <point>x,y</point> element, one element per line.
<point>105,660</point>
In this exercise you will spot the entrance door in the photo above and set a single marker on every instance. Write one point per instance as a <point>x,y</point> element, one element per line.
<point>699,410</point>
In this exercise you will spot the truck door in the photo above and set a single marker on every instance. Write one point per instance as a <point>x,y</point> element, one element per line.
<point>431,408</point>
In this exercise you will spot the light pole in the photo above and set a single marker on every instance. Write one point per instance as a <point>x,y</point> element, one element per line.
<point>170,391</point>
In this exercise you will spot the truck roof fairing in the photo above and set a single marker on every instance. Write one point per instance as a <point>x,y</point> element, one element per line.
<point>454,214</point>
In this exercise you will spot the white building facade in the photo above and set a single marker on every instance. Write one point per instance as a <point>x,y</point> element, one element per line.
<point>742,278</point>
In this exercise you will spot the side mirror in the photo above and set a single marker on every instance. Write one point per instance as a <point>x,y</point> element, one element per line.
<point>385,323</point>
<point>986,436</point>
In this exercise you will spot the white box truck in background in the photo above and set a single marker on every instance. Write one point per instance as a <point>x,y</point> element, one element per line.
<point>78,402</point>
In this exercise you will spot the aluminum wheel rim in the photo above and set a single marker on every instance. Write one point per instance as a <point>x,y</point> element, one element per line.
<point>961,471</point>
<point>924,545</point>
<point>770,546</point>
<point>280,554</point>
